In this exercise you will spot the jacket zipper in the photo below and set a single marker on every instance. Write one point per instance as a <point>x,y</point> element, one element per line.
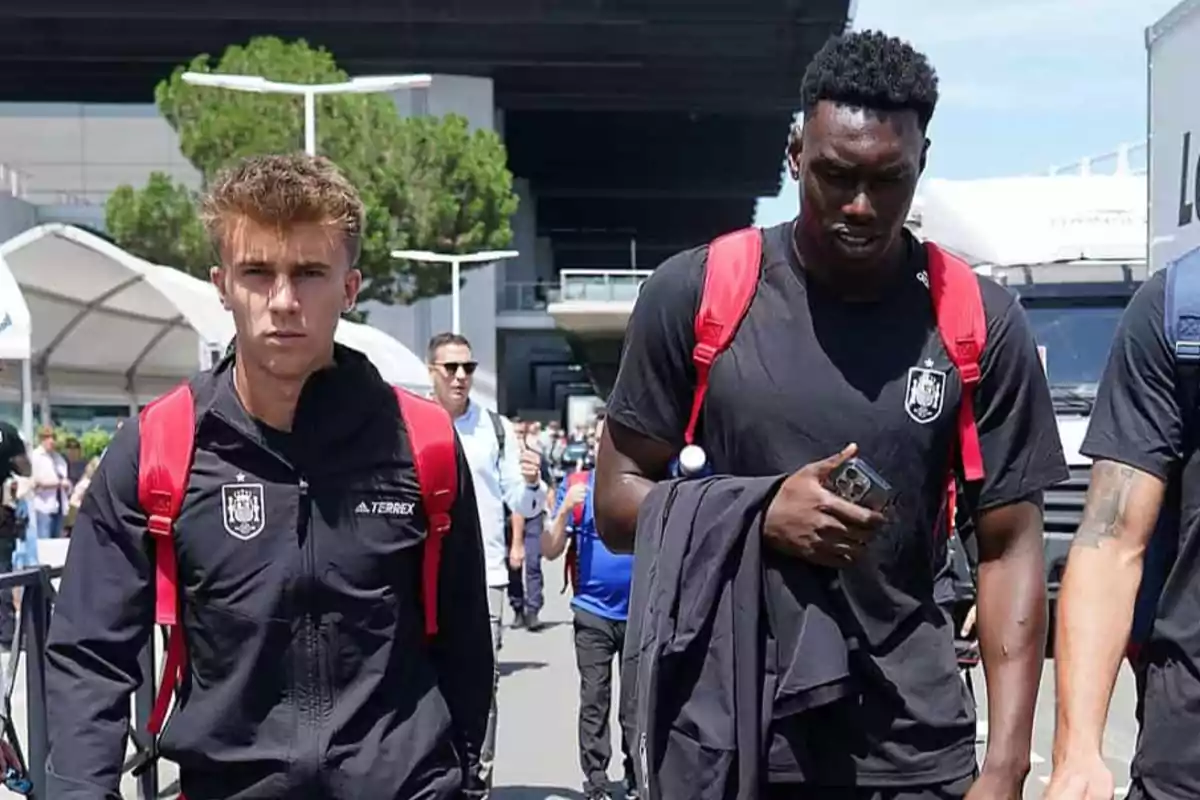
<point>310,695</point>
<point>313,692</point>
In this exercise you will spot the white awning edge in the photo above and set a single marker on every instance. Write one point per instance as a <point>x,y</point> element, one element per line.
<point>15,331</point>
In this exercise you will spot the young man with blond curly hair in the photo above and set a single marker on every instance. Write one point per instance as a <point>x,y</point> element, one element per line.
<point>299,546</point>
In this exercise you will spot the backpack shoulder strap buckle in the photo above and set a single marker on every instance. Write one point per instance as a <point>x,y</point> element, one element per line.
<point>160,526</point>
<point>1187,351</point>
<point>704,354</point>
<point>440,522</point>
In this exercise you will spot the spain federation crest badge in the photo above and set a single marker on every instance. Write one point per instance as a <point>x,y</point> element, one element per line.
<point>926,393</point>
<point>244,515</point>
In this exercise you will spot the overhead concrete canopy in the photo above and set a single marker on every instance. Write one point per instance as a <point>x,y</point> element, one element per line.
<point>596,302</point>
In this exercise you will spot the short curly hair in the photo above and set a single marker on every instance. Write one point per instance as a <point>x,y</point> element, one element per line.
<point>284,190</point>
<point>872,70</point>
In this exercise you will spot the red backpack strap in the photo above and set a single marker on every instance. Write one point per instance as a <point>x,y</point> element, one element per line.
<point>958,307</point>
<point>574,479</point>
<point>730,279</point>
<point>571,564</point>
<point>431,437</point>
<point>166,431</point>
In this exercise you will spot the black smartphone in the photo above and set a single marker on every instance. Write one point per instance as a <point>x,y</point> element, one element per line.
<point>857,481</point>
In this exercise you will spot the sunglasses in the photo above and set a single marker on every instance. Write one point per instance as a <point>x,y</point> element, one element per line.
<point>452,367</point>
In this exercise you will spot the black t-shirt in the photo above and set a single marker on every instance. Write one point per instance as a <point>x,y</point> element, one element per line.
<point>808,373</point>
<point>11,446</point>
<point>1138,421</point>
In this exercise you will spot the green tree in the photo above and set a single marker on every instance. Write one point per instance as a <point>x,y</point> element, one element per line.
<point>159,223</point>
<point>427,183</point>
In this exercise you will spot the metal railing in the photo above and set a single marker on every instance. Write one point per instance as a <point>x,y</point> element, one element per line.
<point>601,285</point>
<point>12,180</point>
<point>29,637</point>
<point>1127,159</point>
<point>29,640</point>
<point>526,296</point>
<point>83,183</point>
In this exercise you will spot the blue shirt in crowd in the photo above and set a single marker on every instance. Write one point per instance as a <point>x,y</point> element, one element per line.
<point>604,576</point>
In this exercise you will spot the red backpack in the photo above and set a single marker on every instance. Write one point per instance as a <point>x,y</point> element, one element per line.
<point>167,426</point>
<point>571,565</point>
<point>731,274</point>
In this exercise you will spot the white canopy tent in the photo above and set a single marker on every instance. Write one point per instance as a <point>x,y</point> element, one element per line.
<point>102,323</point>
<point>91,320</point>
<point>1037,219</point>
<point>14,319</point>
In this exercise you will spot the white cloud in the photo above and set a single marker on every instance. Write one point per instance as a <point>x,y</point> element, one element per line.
<point>1019,24</point>
<point>1054,92</point>
<point>1041,56</point>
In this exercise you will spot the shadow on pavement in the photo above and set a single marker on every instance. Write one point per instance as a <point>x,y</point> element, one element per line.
<point>534,793</point>
<point>544,626</point>
<point>510,667</point>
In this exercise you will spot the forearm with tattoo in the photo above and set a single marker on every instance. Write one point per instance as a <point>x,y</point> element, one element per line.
<point>1107,503</point>
<point>1095,602</point>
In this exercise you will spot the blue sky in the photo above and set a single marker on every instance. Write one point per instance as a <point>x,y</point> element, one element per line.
<point>1025,84</point>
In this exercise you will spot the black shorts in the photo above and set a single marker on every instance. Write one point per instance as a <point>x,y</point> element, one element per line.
<point>1138,791</point>
<point>953,790</point>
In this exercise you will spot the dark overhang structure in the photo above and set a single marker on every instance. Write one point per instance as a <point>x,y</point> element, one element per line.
<point>654,121</point>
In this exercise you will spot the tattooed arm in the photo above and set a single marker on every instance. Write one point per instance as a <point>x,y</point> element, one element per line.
<point>1095,604</point>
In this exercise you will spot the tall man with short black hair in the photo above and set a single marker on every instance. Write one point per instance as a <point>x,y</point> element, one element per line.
<point>839,325</point>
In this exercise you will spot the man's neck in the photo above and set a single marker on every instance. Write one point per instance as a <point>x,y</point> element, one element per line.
<point>457,413</point>
<point>265,397</point>
<point>857,285</point>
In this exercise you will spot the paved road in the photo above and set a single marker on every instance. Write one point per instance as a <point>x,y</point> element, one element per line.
<point>537,756</point>
<point>1119,738</point>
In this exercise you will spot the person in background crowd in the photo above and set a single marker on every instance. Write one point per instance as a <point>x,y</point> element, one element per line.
<point>308,670</point>
<point>51,490</point>
<point>14,518</point>
<point>76,463</point>
<point>14,468</point>
<point>79,491</point>
<point>526,581</point>
<point>601,580</point>
<point>504,474</point>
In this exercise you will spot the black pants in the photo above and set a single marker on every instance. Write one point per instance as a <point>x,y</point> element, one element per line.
<point>8,616</point>
<point>955,790</point>
<point>1138,791</point>
<point>516,577</point>
<point>597,642</point>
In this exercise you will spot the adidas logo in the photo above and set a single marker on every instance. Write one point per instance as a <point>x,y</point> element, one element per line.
<point>385,508</point>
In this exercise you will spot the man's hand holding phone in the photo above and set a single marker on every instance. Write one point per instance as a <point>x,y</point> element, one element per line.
<point>808,520</point>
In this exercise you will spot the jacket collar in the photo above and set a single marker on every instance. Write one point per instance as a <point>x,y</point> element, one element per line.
<point>335,403</point>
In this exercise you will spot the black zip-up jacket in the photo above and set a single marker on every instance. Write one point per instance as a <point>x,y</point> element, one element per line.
<point>309,675</point>
<point>713,663</point>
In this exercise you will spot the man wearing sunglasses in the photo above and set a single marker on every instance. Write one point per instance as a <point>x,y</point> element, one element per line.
<point>505,473</point>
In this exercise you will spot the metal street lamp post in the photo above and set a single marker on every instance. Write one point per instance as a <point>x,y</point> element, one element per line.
<point>309,91</point>
<point>455,261</point>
